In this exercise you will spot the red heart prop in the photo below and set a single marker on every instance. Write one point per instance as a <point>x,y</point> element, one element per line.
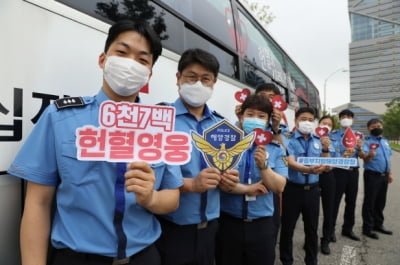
<point>278,103</point>
<point>321,131</point>
<point>359,136</point>
<point>373,146</point>
<point>349,139</point>
<point>242,95</point>
<point>262,137</point>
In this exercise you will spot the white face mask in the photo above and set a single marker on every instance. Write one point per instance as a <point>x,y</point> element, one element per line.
<point>346,122</point>
<point>195,94</point>
<point>306,127</point>
<point>125,76</point>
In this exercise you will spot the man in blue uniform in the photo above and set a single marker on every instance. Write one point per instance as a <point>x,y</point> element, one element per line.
<point>376,154</point>
<point>346,178</point>
<point>247,230</point>
<point>104,212</point>
<point>301,194</point>
<point>189,232</point>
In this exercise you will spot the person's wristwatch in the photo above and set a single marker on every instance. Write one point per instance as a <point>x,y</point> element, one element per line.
<point>277,132</point>
<point>265,166</point>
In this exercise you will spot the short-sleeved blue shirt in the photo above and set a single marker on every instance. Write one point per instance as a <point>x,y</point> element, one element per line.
<point>340,149</point>
<point>381,161</point>
<point>189,204</point>
<point>300,147</point>
<point>85,195</point>
<point>263,205</point>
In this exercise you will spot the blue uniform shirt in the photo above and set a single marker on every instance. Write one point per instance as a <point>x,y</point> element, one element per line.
<point>340,149</point>
<point>300,147</point>
<point>189,203</point>
<point>85,201</point>
<point>381,161</point>
<point>263,205</point>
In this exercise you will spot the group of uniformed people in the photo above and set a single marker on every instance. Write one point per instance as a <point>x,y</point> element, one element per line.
<point>99,212</point>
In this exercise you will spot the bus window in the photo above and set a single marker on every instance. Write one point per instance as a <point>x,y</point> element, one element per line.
<point>256,48</point>
<point>214,17</point>
<point>169,28</point>
<point>227,61</point>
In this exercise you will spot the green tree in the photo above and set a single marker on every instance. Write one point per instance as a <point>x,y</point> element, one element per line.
<point>259,10</point>
<point>391,118</point>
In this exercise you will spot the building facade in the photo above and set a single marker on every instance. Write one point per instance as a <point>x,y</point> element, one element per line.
<point>374,53</point>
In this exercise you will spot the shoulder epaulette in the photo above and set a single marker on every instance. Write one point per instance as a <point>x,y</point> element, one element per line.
<point>288,135</point>
<point>367,137</point>
<point>275,142</point>
<point>163,103</point>
<point>218,115</point>
<point>69,102</point>
<point>334,131</point>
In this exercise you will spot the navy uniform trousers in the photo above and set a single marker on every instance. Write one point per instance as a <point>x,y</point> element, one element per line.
<point>191,244</point>
<point>297,199</point>
<point>327,184</point>
<point>347,184</point>
<point>375,190</point>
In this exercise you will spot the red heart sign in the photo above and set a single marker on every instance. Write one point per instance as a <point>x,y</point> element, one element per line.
<point>349,139</point>
<point>321,131</point>
<point>242,95</point>
<point>358,135</point>
<point>373,146</point>
<point>278,103</point>
<point>262,137</point>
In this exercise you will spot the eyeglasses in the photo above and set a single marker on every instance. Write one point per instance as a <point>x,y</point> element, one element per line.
<point>205,80</point>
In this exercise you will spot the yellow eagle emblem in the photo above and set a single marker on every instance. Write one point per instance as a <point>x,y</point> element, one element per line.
<point>222,158</point>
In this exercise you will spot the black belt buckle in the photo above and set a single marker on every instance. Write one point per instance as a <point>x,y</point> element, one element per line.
<point>307,187</point>
<point>247,220</point>
<point>121,261</point>
<point>202,225</point>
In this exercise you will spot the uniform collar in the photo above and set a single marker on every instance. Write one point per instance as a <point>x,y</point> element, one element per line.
<point>180,109</point>
<point>101,97</point>
<point>297,135</point>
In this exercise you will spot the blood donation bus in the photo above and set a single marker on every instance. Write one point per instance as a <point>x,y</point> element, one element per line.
<point>50,50</point>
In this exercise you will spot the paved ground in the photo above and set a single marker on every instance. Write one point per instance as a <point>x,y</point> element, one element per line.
<point>385,251</point>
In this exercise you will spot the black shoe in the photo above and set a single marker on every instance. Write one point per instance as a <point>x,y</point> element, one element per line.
<point>371,234</point>
<point>333,238</point>
<point>351,235</point>
<point>383,230</point>
<point>325,248</point>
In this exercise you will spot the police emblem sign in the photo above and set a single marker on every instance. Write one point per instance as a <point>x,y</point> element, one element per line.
<point>222,145</point>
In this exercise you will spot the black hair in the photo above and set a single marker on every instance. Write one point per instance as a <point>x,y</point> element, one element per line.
<point>204,58</point>
<point>305,110</point>
<point>373,121</point>
<point>267,87</point>
<point>257,102</point>
<point>328,117</point>
<point>346,112</point>
<point>137,26</point>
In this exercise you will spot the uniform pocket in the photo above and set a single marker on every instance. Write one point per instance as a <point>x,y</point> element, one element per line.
<point>76,171</point>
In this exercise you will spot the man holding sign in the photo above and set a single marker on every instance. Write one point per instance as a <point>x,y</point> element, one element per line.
<point>349,144</point>
<point>189,232</point>
<point>376,154</point>
<point>104,211</point>
<point>301,194</point>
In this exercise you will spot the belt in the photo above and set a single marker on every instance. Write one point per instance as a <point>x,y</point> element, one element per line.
<point>190,226</point>
<point>99,258</point>
<point>303,186</point>
<point>377,173</point>
<point>245,220</point>
<point>348,169</point>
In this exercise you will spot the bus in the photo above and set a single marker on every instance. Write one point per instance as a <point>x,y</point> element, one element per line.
<point>51,48</point>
